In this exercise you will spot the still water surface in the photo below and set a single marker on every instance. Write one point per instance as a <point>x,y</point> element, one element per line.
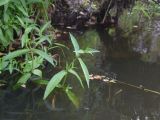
<point>133,58</point>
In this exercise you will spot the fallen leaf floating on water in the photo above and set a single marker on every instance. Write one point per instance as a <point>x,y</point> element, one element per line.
<point>96,77</point>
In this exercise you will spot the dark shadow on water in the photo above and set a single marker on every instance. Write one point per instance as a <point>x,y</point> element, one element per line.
<point>119,58</point>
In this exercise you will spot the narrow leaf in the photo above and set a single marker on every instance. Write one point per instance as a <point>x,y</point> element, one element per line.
<point>45,56</point>
<point>14,54</point>
<point>42,39</point>
<point>3,2</point>
<point>55,80</point>
<point>23,79</point>
<point>37,72</point>
<point>76,74</point>
<point>45,26</point>
<point>72,97</point>
<point>22,10</point>
<point>75,44</point>
<point>85,70</point>
<point>41,82</point>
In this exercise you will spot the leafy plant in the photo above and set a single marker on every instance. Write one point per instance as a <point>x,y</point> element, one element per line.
<point>57,79</point>
<point>27,43</point>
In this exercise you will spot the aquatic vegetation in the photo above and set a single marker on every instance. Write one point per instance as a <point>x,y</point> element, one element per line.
<point>138,15</point>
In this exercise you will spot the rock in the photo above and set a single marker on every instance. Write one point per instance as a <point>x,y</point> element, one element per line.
<point>85,13</point>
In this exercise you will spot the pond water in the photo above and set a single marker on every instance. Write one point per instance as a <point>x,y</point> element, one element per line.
<point>133,58</point>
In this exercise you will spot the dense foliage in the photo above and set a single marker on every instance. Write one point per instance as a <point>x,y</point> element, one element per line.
<point>27,43</point>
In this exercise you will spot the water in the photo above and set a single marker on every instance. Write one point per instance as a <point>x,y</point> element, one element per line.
<point>132,58</point>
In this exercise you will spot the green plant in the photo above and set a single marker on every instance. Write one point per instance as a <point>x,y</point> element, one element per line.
<point>59,79</point>
<point>27,43</point>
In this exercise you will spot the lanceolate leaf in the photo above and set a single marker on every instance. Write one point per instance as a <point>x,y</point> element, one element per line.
<point>44,55</point>
<point>41,82</point>
<point>37,72</point>
<point>76,74</point>
<point>75,44</point>
<point>45,26</point>
<point>55,80</point>
<point>14,54</point>
<point>3,40</point>
<point>3,2</point>
<point>72,97</point>
<point>85,70</point>
<point>24,78</point>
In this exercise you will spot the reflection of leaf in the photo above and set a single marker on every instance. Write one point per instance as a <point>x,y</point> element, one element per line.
<point>85,70</point>
<point>41,82</point>
<point>55,80</point>
<point>74,99</point>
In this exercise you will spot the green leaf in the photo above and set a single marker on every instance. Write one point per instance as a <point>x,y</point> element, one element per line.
<point>9,34</point>
<point>45,56</point>
<point>85,70</point>
<point>23,79</point>
<point>41,82</point>
<point>23,10</point>
<point>61,45</point>
<point>3,2</point>
<point>3,64</point>
<point>76,74</point>
<point>14,54</point>
<point>45,26</point>
<point>3,40</point>
<point>42,39</point>
<point>34,1</point>
<point>24,39</point>
<point>37,72</point>
<point>23,2</point>
<point>55,80</point>
<point>146,14</point>
<point>72,97</point>
<point>21,21</point>
<point>75,44</point>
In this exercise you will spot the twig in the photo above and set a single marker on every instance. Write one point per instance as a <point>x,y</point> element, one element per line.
<point>133,86</point>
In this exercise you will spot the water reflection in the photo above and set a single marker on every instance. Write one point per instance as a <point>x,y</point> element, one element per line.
<point>132,58</point>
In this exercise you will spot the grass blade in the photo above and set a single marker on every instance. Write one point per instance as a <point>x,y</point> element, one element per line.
<point>3,2</point>
<point>72,97</point>
<point>45,26</point>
